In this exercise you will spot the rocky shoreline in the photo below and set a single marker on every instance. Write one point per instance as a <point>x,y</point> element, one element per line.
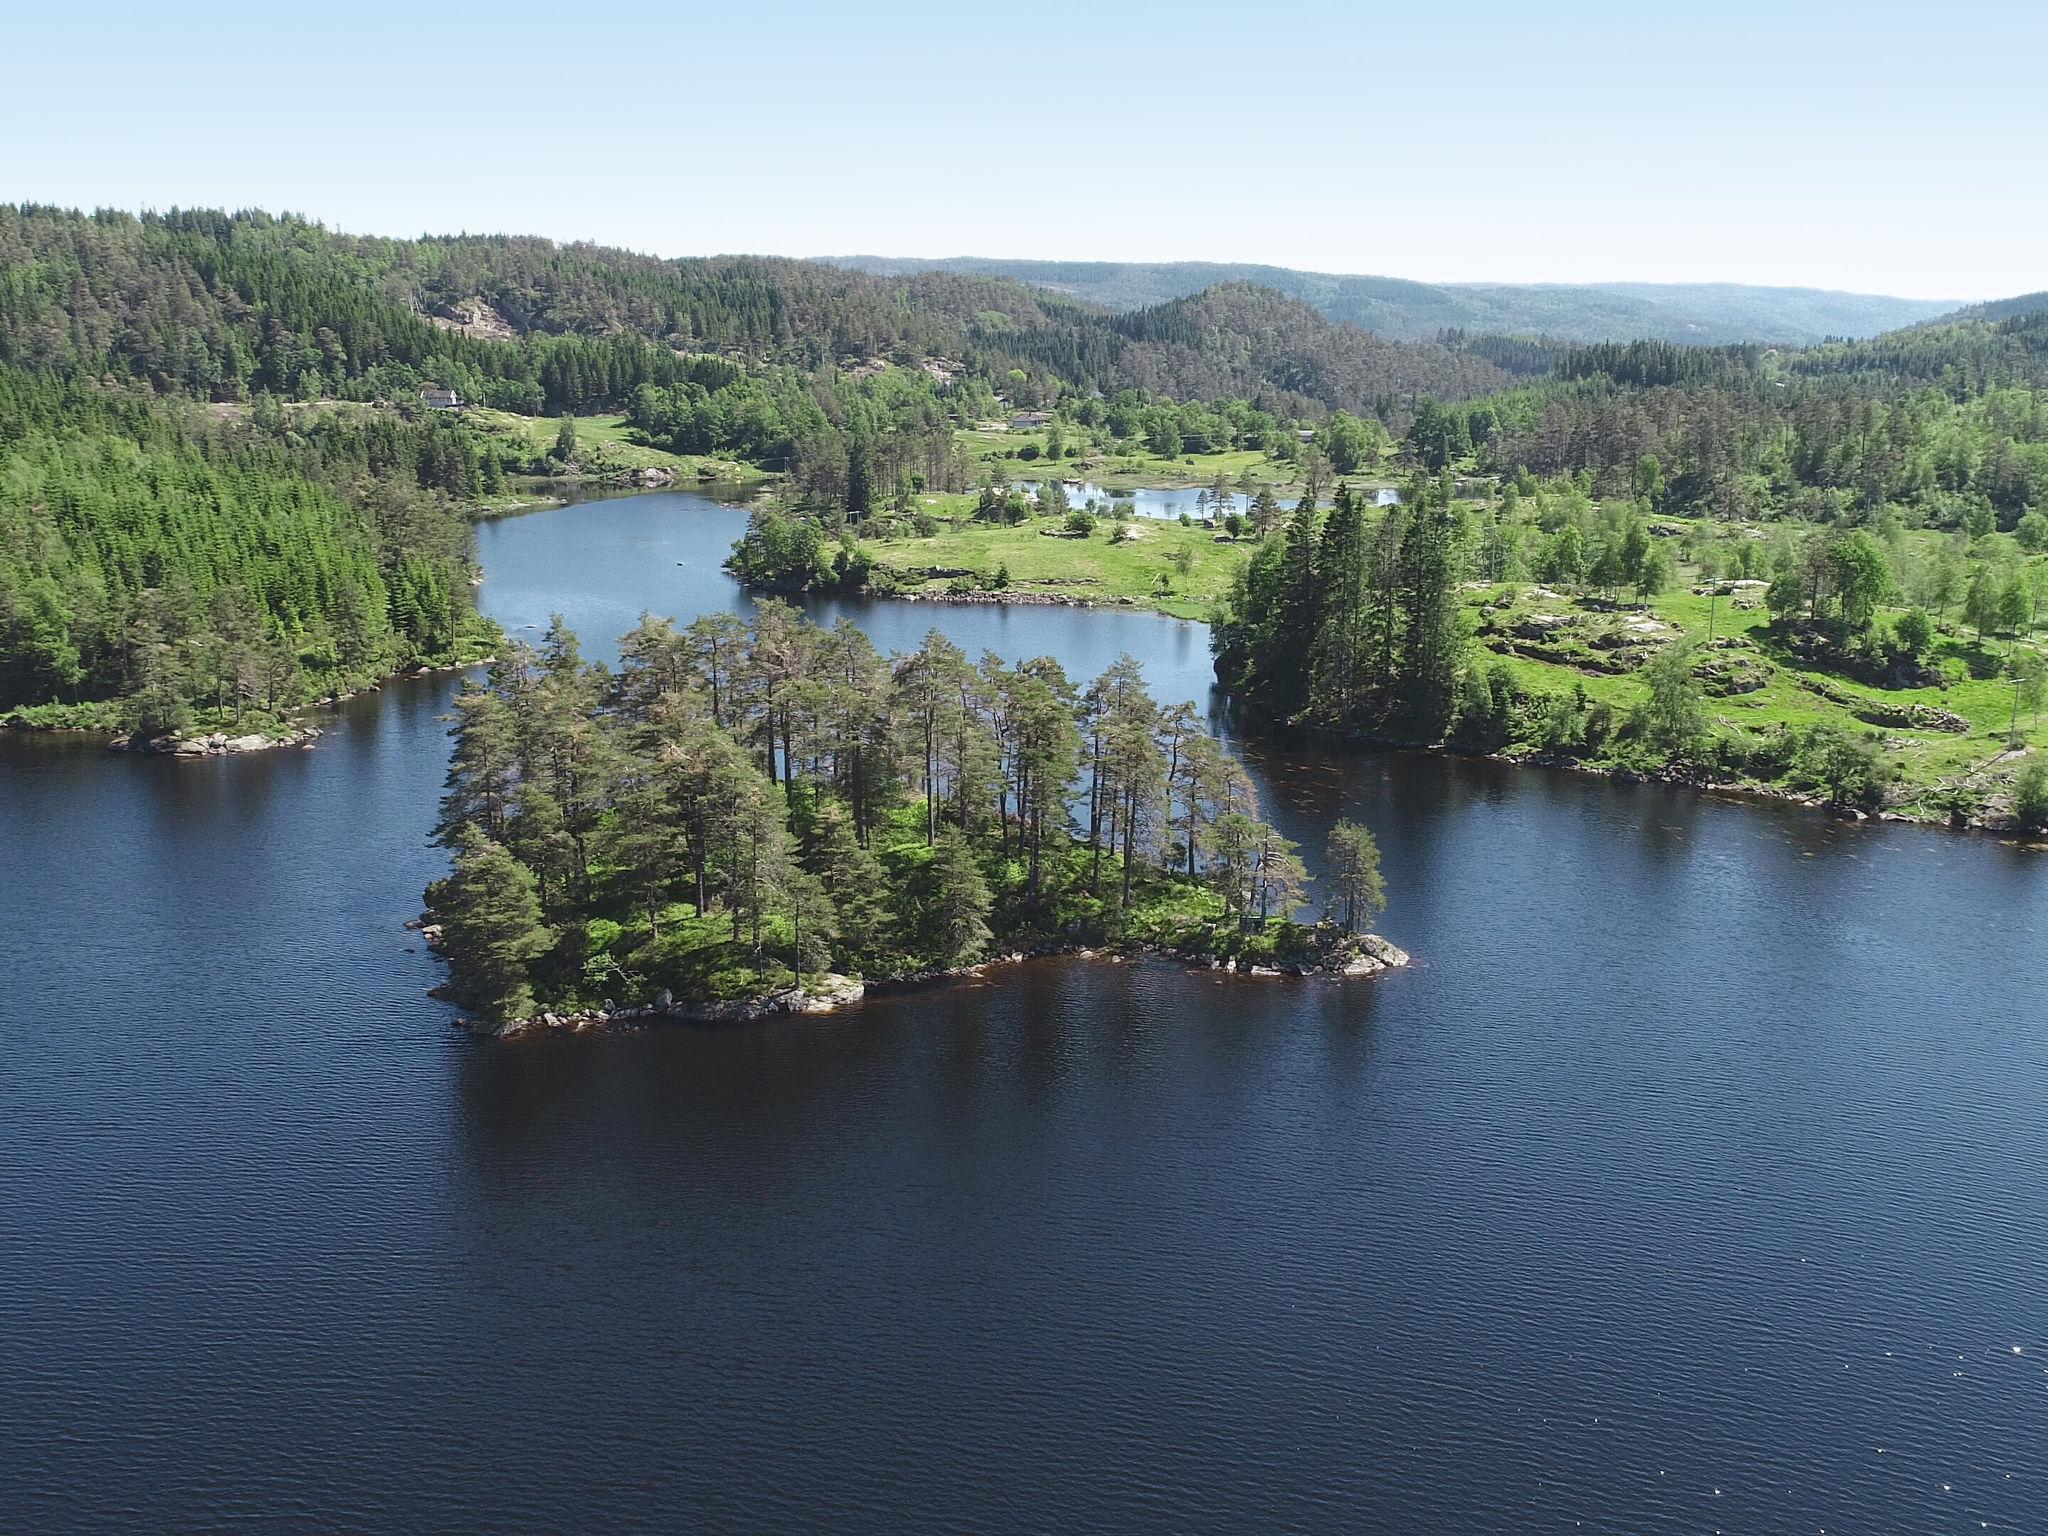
<point>1706,784</point>
<point>214,744</point>
<point>1009,597</point>
<point>1682,777</point>
<point>1349,957</point>
<point>221,744</point>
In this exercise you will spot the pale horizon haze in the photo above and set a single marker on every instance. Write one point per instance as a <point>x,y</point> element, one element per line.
<point>1875,148</point>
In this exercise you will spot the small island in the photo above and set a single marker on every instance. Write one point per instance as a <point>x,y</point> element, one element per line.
<point>769,816</point>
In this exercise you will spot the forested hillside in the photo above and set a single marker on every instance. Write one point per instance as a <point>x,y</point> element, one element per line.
<point>156,563</point>
<point>1240,340</point>
<point>1997,309</point>
<point>1690,313</point>
<point>223,306</point>
<point>1945,424</point>
<point>220,492</point>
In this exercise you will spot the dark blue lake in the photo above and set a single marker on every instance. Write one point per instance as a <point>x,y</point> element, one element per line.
<point>1693,1181</point>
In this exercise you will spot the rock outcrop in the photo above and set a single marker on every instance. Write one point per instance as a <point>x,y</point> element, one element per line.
<point>822,994</point>
<point>214,744</point>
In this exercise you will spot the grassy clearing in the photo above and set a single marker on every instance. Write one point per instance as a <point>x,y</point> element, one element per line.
<point>1177,570</point>
<point>1775,686</point>
<point>1130,467</point>
<point>609,446</point>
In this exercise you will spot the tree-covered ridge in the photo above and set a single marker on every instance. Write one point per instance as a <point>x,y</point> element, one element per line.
<point>1996,309</point>
<point>742,805</point>
<point>1936,425</point>
<point>225,306</point>
<point>1405,310</point>
<point>1238,340</point>
<point>154,563</point>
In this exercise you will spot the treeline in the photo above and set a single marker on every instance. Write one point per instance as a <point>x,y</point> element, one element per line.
<point>227,306</point>
<point>849,443</point>
<point>1936,424</point>
<point>1351,620</point>
<point>743,798</point>
<point>1237,339</point>
<point>155,564</point>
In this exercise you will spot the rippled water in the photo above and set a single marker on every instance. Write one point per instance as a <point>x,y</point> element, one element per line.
<point>1692,1181</point>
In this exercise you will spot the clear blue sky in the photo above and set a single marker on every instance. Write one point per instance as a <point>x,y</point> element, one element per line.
<point>1876,146</point>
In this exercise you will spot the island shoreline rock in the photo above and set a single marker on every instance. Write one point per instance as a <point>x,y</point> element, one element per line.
<point>1353,957</point>
<point>302,734</point>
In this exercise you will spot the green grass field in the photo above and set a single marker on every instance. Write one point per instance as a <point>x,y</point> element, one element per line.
<point>611,445</point>
<point>1795,692</point>
<point>1129,467</point>
<point>1143,569</point>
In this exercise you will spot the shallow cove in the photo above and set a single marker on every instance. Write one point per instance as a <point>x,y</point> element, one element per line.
<point>1701,1151</point>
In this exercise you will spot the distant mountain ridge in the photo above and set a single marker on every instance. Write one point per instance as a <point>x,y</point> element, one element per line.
<point>1997,309</point>
<point>1708,314</point>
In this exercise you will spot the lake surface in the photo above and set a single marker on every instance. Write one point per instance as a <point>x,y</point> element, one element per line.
<point>1692,1182</point>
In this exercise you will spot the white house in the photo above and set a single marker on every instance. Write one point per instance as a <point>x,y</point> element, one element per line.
<point>442,400</point>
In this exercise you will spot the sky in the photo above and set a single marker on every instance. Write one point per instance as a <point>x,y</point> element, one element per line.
<point>1877,147</point>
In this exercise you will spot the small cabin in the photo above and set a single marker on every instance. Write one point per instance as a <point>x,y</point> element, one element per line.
<point>1029,421</point>
<point>441,400</point>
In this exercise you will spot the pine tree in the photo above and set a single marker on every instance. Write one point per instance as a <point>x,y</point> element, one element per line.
<point>813,919</point>
<point>491,926</point>
<point>1047,755</point>
<point>1286,687</point>
<point>1265,512</point>
<point>1351,861</point>
<point>1279,881</point>
<point>852,877</point>
<point>1431,636</point>
<point>483,769</point>
<point>1344,562</point>
<point>960,901</point>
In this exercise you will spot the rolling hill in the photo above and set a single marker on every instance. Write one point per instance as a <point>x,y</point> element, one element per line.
<point>1690,313</point>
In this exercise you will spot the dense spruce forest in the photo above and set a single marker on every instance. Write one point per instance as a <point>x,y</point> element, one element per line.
<point>743,805</point>
<point>158,564</point>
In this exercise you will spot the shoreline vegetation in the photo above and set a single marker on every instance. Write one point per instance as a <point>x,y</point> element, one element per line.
<point>241,457</point>
<point>1343,957</point>
<point>1887,674</point>
<point>767,816</point>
